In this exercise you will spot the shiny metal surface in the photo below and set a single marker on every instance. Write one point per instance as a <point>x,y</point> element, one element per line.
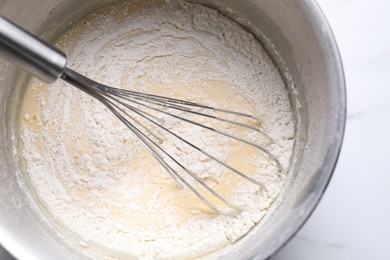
<point>30,53</point>
<point>302,44</point>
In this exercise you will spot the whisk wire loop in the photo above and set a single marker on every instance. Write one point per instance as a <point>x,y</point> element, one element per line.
<point>122,102</point>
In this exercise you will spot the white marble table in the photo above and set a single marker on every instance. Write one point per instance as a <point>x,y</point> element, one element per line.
<point>352,220</point>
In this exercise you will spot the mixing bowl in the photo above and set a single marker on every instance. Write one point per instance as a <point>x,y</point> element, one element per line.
<point>298,39</point>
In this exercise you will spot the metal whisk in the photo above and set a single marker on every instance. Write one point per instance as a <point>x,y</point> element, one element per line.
<point>138,111</point>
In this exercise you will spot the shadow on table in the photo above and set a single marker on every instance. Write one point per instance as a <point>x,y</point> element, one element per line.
<point>4,255</point>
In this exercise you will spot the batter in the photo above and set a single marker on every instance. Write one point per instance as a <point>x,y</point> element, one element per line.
<point>100,186</point>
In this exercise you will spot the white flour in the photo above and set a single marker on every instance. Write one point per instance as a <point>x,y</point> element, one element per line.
<point>95,179</point>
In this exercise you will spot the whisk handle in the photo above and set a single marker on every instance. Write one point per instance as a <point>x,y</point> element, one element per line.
<point>29,52</point>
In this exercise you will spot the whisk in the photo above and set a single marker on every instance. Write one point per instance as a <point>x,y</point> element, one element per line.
<point>134,109</point>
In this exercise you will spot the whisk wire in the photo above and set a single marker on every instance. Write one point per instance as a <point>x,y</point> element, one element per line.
<point>185,109</point>
<point>272,157</point>
<point>115,100</point>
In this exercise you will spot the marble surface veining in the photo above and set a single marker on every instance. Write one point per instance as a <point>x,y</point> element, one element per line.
<point>352,220</point>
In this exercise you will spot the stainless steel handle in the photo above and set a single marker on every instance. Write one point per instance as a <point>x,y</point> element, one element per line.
<point>30,53</point>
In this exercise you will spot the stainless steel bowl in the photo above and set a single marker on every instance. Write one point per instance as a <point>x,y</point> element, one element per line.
<point>300,42</point>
